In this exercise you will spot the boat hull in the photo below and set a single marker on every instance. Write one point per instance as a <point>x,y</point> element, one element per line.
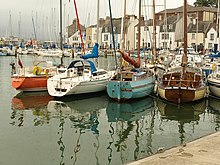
<point>37,83</point>
<point>124,90</point>
<point>214,86</point>
<point>67,87</point>
<point>181,94</point>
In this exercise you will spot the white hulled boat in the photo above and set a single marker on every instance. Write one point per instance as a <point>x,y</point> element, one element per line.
<point>80,77</point>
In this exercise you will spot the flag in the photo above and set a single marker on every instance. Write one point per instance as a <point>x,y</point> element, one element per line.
<point>20,63</point>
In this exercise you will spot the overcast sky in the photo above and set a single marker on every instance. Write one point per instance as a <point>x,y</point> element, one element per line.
<point>44,14</point>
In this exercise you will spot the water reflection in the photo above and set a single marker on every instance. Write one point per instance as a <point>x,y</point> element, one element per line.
<point>130,119</point>
<point>30,100</point>
<point>110,132</point>
<point>185,113</point>
<point>35,101</point>
<point>213,107</point>
<point>83,114</point>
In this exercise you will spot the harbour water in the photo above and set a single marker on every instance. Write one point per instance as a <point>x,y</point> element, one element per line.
<point>37,129</point>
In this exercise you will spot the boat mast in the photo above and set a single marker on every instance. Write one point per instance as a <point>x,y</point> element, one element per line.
<point>184,58</point>
<point>218,26</point>
<point>61,29</point>
<point>79,27</point>
<point>139,32</point>
<point>97,31</point>
<point>124,26</point>
<point>154,34</point>
<point>113,36</point>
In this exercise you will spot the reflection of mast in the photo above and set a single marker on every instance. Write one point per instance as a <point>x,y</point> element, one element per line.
<point>149,138</point>
<point>181,131</point>
<point>112,132</point>
<point>97,147</point>
<point>77,148</point>
<point>60,142</point>
<point>14,115</point>
<point>136,141</point>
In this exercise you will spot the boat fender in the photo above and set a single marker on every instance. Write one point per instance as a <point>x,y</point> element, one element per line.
<point>47,73</point>
<point>36,70</point>
<point>213,66</point>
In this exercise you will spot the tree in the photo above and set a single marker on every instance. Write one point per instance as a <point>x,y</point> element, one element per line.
<point>208,3</point>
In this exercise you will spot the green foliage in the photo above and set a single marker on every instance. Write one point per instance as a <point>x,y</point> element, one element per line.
<point>208,3</point>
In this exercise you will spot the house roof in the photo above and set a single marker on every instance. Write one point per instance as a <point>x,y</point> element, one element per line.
<point>116,23</point>
<point>190,8</point>
<point>203,27</point>
<point>73,28</point>
<point>171,20</point>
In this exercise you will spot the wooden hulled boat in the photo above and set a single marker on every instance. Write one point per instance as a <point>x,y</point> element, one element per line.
<point>182,84</point>
<point>178,88</point>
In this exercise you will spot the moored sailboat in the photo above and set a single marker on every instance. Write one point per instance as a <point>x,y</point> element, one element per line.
<point>132,83</point>
<point>33,78</point>
<point>184,83</point>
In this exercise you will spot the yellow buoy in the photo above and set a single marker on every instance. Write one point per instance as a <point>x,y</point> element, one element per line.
<point>36,70</point>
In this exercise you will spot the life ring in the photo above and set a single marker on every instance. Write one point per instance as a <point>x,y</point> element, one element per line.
<point>36,70</point>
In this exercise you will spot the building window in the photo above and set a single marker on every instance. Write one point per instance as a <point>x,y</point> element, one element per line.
<point>106,37</point>
<point>89,37</point>
<point>165,36</point>
<point>212,36</point>
<point>209,45</point>
<point>171,26</point>
<point>160,17</point>
<point>146,28</point>
<point>114,28</point>
<point>193,36</point>
<point>165,45</point>
<point>164,27</point>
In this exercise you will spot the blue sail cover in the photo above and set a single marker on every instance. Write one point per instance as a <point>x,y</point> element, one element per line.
<point>94,54</point>
<point>92,66</point>
<point>214,55</point>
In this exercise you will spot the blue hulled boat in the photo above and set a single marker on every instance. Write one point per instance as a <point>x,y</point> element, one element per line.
<point>131,82</point>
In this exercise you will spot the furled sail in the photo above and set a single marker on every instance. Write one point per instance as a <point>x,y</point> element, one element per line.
<point>94,54</point>
<point>130,60</point>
